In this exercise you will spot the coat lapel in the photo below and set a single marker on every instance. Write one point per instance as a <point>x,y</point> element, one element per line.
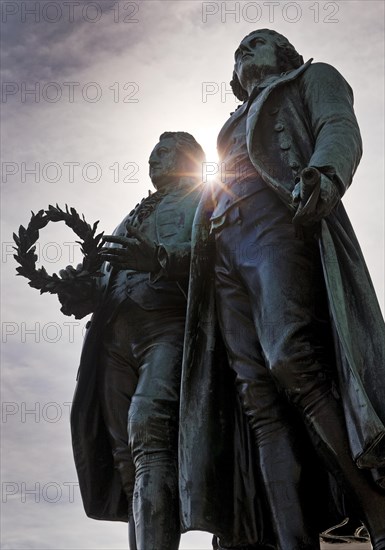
<point>257,104</point>
<point>251,123</point>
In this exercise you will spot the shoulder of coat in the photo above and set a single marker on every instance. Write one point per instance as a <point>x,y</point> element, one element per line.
<point>326,77</point>
<point>321,70</point>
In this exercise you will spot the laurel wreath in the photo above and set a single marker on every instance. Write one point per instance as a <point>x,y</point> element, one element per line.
<point>26,251</point>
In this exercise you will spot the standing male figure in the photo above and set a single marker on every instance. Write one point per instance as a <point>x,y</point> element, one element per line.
<point>290,151</point>
<point>125,411</point>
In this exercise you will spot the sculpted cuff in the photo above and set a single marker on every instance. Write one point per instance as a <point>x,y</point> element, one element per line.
<point>174,261</point>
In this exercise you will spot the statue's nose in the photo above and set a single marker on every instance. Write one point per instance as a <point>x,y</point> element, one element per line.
<point>245,48</point>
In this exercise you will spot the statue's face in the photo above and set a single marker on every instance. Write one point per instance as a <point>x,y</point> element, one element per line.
<point>254,53</point>
<point>165,163</point>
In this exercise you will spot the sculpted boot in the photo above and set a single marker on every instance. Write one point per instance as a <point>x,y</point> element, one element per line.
<point>326,426</point>
<point>278,450</point>
<point>281,473</point>
<point>156,506</point>
<point>131,534</point>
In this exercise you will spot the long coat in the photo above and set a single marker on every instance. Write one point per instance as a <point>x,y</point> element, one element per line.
<point>100,484</point>
<point>302,118</point>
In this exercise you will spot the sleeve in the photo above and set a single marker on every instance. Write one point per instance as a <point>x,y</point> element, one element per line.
<point>329,102</point>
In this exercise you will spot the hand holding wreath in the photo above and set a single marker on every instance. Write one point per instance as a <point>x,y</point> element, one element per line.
<point>76,288</point>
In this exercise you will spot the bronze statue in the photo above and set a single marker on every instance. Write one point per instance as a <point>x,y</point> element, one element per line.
<point>298,314</point>
<point>124,416</point>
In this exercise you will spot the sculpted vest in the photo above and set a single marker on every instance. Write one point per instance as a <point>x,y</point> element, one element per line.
<point>168,223</point>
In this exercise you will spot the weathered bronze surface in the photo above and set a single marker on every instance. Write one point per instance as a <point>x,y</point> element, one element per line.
<point>124,417</point>
<point>259,416</point>
<point>298,315</point>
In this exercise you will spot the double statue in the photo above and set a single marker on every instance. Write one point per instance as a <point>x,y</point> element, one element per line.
<point>232,377</point>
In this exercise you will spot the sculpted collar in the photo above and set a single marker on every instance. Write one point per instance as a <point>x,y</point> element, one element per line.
<point>271,80</point>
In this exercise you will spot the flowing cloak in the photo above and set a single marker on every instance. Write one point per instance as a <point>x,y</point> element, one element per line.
<point>302,118</point>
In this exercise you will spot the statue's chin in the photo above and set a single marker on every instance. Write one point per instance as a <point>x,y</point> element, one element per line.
<point>252,73</point>
<point>158,183</point>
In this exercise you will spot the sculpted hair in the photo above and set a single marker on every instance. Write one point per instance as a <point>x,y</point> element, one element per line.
<point>287,56</point>
<point>193,153</point>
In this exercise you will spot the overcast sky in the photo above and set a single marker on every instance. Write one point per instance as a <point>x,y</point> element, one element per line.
<point>108,79</point>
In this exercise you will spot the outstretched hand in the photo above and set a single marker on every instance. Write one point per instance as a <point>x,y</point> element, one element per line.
<point>137,252</point>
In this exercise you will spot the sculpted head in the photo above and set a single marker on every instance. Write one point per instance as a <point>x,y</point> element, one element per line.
<point>177,155</point>
<point>261,53</point>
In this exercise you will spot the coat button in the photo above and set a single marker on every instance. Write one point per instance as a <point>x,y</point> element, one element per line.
<point>294,165</point>
<point>279,127</point>
<point>285,145</point>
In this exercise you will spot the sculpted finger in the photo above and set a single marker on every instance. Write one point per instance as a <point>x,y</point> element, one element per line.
<point>296,194</point>
<point>111,251</point>
<point>119,265</point>
<point>304,216</point>
<point>68,273</point>
<point>63,274</point>
<point>112,258</point>
<point>133,232</point>
<point>115,239</point>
